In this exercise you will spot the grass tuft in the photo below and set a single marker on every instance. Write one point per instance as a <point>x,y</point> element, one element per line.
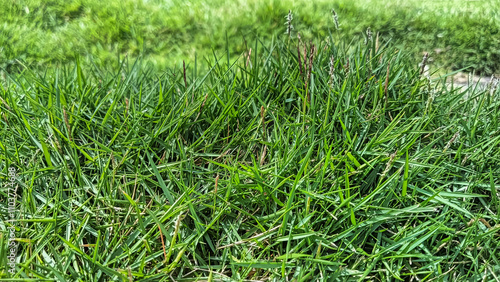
<point>341,163</point>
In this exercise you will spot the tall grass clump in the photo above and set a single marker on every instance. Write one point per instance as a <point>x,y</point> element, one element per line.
<point>325,161</point>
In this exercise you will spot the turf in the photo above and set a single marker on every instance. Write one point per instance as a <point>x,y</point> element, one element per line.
<point>458,34</point>
<point>304,162</point>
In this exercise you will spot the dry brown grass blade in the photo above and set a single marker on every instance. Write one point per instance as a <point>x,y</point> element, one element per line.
<point>5,103</point>
<point>263,155</point>
<point>163,244</point>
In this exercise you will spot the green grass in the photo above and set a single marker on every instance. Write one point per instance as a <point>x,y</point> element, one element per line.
<point>458,34</point>
<point>267,168</point>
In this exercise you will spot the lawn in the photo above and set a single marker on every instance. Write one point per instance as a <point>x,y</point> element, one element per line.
<point>329,157</point>
<point>458,34</point>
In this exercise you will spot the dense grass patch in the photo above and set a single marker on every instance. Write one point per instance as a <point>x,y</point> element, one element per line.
<point>300,161</point>
<point>458,34</point>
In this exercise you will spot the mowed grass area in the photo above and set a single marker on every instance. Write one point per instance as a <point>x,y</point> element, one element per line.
<point>325,162</point>
<point>458,34</point>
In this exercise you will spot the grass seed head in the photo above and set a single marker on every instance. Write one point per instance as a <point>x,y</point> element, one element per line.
<point>465,159</point>
<point>58,146</point>
<point>369,36</point>
<point>346,67</point>
<point>68,127</point>
<point>332,68</point>
<point>493,85</point>
<point>300,39</point>
<point>126,106</point>
<point>335,19</point>
<point>289,26</point>
<point>311,57</point>
<point>248,56</point>
<point>300,61</point>
<point>453,140</point>
<point>388,166</point>
<point>216,183</point>
<point>424,62</point>
<point>113,162</point>
<point>305,56</point>
<point>5,118</point>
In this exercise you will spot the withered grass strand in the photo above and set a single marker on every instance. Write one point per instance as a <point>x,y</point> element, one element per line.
<point>163,244</point>
<point>6,105</point>
<point>263,155</point>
